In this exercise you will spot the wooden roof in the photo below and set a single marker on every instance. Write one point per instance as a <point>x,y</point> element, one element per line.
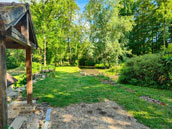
<point>10,80</point>
<point>16,22</point>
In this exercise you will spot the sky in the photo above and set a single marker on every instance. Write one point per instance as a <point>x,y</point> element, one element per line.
<point>81,3</point>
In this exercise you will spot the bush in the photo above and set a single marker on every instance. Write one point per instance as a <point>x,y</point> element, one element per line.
<point>148,70</point>
<point>84,61</point>
<point>12,62</point>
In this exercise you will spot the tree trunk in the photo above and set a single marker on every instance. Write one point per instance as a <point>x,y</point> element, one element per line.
<point>45,46</point>
<point>164,35</point>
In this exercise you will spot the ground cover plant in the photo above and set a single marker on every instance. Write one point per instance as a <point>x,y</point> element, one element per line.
<point>69,87</point>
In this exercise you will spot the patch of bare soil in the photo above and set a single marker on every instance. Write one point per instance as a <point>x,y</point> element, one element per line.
<point>151,100</point>
<point>104,115</point>
<point>93,72</point>
<point>111,82</point>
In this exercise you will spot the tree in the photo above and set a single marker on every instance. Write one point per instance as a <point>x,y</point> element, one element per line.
<point>107,30</point>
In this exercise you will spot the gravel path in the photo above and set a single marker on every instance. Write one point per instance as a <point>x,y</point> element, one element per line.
<point>104,115</point>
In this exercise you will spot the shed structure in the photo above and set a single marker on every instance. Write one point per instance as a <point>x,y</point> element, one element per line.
<point>16,32</point>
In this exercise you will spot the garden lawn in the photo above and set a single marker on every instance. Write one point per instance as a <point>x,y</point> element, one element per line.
<point>69,87</point>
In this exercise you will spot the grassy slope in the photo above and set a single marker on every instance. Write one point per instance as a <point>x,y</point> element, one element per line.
<point>69,87</point>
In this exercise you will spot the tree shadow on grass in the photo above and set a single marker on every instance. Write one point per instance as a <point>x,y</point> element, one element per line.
<point>72,88</point>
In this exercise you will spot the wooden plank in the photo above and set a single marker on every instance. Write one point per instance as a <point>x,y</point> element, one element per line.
<point>14,35</point>
<point>32,30</point>
<point>17,123</point>
<point>3,84</point>
<point>29,75</point>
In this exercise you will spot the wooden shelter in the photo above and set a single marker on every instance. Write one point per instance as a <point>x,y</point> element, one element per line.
<point>16,32</point>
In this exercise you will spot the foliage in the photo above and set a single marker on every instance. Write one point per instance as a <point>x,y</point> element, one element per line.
<point>20,73</point>
<point>14,58</point>
<point>115,70</point>
<point>152,31</point>
<point>100,66</point>
<point>107,30</point>
<point>70,88</point>
<point>148,70</point>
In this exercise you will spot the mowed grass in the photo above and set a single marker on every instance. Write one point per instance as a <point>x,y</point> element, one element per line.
<point>69,87</point>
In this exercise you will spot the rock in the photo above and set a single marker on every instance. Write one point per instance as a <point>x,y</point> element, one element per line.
<point>151,100</point>
<point>34,81</point>
<point>9,99</point>
<point>9,89</point>
<point>12,113</point>
<point>114,83</point>
<point>106,82</point>
<point>89,112</point>
<point>43,76</point>
<point>13,94</point>
<point>18,90</point>
<point>103,113</point>
<point>84,73</point>
<point>23,88</point>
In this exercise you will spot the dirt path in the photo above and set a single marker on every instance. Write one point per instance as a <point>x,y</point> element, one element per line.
<point>96,72</point>
<point>91,71</point>
<point>104,115</point>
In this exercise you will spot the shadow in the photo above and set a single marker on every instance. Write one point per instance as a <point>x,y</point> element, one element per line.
<point>71,88</point>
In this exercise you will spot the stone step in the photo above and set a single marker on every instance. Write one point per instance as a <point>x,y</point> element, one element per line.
<point>22,106</point>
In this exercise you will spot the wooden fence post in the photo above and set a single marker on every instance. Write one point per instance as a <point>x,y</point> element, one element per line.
<point>3,84</point>
<point>29,74</point>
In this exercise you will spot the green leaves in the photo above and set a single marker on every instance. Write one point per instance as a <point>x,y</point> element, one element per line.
<point>107,30</point>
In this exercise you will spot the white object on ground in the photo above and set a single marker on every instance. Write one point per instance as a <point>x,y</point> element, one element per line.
<point>17,123</point>
<point>47,119</point>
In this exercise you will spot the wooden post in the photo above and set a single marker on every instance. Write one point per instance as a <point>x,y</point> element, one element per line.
<point>3,84</point>
<point>29,74</point>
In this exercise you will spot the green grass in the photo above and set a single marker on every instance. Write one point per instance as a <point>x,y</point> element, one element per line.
<point>68,87</point>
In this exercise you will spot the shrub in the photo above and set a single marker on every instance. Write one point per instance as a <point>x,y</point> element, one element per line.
<point>147,70</point>
<point>12,62</point>
<point>85,61</point>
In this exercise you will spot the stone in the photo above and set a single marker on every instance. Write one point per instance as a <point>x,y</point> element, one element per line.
<point>12,114</point>
<point>23,88</point>
<point>18,90</point>
<point>10,89</point>
<point>34,81</point>
<point>9,99</point>
<point>13,94</point>
<point>43,76</point>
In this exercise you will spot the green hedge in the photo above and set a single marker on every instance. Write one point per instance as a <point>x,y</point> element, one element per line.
<point>148,70</point>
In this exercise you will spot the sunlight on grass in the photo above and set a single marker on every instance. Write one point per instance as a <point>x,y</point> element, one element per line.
<point>69,87</point>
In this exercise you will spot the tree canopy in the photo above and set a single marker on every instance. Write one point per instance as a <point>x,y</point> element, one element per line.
<point>106,31</point>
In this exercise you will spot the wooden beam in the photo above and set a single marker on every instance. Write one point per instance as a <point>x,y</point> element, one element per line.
<point>3,84</point>
<point>14,35</point>
<point>29,75</point>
